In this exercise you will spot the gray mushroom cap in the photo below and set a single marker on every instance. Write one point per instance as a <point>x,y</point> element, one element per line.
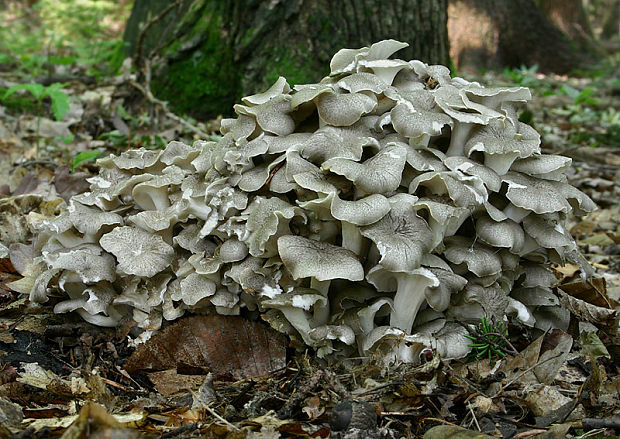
<point>333,142</point>
<point>379,174</point>
<point>362,212</point>
<point>465,191</point>
<point>504,234</point>
<point>268,217</point>
<point>547,230</point>
<point>362,82</point>
<point>502,142</point>
<point>438,297</point>
<point>279,87</point>
<point>490,178</point>
<point>533,194</point>
<point>136,159</point>
<point>306,258</point>
<point>494,97</point>
<point>478,258</point>
<point>233,250</point>
<point>272,116</point>
<point>308,92</point>
<point>401,236</point>
<point>547,166</point>
<point>280,144</point>
<point>441,74</point>
<point>179,154</point>
<point>88,220</point>
<point>342,110</point>
<point>138,252</point>
<point>443,219</point>
<point>196,287</point>
<point>346,60</point>
<point>90,266</point>
<point>417,114</point>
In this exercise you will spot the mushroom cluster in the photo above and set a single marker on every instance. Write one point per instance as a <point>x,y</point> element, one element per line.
<point>367,213</point>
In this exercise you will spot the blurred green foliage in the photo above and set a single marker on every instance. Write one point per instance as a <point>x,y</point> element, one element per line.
<point>62,33</point>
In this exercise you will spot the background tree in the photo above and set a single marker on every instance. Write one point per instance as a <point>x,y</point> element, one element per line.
<point>498,33</point>
<point>209,53</point>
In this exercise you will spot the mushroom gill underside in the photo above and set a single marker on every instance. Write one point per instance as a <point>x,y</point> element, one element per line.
<point>371,211</point>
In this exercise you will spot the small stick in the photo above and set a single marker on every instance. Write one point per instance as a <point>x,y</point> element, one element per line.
<point>441,421</point>
<point>471,410</point>
<point>529,433</point>
<point>149,96</point>
<point>529,369</point>
<point>214,413</point>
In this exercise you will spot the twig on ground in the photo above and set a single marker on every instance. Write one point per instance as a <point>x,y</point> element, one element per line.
<point>530,433</point>
<point>592,423</point>
<point>164,105</point>
<point>529,369</point>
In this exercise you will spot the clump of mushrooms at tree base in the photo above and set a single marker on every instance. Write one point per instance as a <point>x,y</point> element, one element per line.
<point>365,214</point>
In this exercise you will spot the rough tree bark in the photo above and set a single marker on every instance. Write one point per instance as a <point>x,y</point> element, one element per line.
<point>497,33</point>
<point>214,51</point>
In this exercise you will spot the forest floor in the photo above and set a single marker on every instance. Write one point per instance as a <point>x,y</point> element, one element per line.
<point>60,376</point>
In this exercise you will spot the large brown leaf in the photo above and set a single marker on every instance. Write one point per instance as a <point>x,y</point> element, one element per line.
<point>223,345</point>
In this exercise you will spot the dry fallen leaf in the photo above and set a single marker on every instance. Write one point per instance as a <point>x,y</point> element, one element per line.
<point>453,432</point>
<point>224,345</point>
<point>169,382</point>
<point>594,291</point>
<point>313,408</point>
<point>541,360</point>
<point>586,311</point>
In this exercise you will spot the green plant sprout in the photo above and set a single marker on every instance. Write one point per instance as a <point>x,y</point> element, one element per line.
<point>60,101</point>
<point>490,339</point>
<point>85,156</point>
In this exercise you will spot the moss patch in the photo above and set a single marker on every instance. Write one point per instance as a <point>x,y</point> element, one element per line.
<point>296,67</point>
<point>208,83</point>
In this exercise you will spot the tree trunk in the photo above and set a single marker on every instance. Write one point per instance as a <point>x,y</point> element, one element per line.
<point>611,23</point>
<point>497,33</point>
<point>570,17</point>
<point>214,51</point>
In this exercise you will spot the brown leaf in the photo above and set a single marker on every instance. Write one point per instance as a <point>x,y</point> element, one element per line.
<point>594,291</point>
<point>27,185</point>
<point>586,311</point>
<point>313,408</point>
<point>541,360</point>
<point>95,421</point>
<point>566,271</point>
<point>169,382</point>
<point>453,432</point>
<point>226,345</point>
<point>68,184</point>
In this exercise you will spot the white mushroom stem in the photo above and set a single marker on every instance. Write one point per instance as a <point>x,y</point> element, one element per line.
<point>515,213</point>
<point>421,141</point>
<point>410,295</point>
<point>299,319</point>
<point>321,310</point>
<point>328,230</point>
<point>500,163</point>
<point>352,239</point>
<point>109,321</point>
<point>460,134</point>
